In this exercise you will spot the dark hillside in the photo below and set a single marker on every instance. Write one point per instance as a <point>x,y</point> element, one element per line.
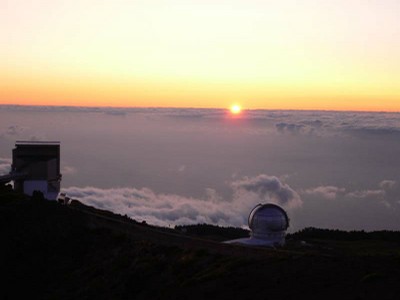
<point>50,251</point>
<point>212,232</point>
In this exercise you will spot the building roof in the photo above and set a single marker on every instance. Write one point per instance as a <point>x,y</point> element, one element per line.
<point>17,143</point>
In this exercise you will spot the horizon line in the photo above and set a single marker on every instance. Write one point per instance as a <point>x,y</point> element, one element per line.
<point>201,108</point>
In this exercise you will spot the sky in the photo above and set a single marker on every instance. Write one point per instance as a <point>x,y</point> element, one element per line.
<point>310,54</point>
<point>172,166</point>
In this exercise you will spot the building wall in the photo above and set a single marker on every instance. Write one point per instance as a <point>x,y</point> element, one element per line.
<point>39,163</point>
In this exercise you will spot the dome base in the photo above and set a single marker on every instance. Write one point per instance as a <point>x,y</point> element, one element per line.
<point>252,241</point>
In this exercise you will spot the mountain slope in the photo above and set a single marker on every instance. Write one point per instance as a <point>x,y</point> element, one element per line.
<point>50,251</point>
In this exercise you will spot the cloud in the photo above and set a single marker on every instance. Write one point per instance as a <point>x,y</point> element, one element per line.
<point>319,123</point>
<point>162,209</point>
<point>322,123</point>
<point>289,128</point>
<point>68,170</point>
<point>268,188</point>
<point>5,165</point>
<point>366,194</point>
<point>12,131</point>
<point>123,111</point>
<point>15,132</point>
<point>170,209</point>
<point>328,192</point>
<point>116,112</point>
<point>387,184</point>
<point>388,193</point>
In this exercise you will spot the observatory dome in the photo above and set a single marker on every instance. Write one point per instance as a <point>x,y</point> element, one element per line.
<point>268,224</point>
<point>267,219</point>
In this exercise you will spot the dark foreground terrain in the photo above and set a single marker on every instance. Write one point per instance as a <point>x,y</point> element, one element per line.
<point>51,251</point>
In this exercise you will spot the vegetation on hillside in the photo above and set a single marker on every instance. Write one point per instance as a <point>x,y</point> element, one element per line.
<point>213,232</point>
<point>341,235</point>
<point>51,251</point>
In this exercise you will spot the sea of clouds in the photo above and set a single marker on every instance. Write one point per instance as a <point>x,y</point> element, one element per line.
<point>166,209</point>
<point>185,166</point>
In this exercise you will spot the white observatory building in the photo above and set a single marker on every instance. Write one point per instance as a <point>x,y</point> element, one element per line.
<point>268,224</point>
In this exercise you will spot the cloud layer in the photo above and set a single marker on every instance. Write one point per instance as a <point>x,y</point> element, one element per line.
<point>268,188</point>
<point>326,192</point>
<point>333,160</point>
<point>169,209</point>
<point>5,165</point>
<point>294,122</point>
<point>388,193</point>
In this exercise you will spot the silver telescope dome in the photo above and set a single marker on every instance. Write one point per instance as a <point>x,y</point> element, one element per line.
<point>268,224</point>
<point>265,219</point>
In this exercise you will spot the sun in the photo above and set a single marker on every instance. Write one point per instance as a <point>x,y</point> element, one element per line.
<point>236,109</point>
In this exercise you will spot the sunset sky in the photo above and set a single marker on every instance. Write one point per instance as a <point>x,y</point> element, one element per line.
<point>311,54</point>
